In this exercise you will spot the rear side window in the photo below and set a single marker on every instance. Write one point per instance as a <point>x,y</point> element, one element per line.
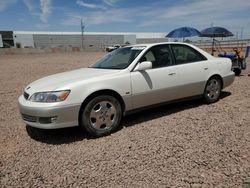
<point>185,54</point>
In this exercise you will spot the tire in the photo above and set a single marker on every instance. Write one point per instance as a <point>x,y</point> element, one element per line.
<point>237,71</point>
<point>212,90</point>
<point>101,115</point>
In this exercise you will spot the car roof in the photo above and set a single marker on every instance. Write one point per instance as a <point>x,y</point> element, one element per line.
<point>207,55</point>
<point>153,44</point>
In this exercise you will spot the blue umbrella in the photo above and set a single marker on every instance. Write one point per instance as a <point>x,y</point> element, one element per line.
<point>183,32</point>
<point>216,32</point>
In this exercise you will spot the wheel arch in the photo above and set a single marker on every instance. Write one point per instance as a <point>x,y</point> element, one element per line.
<point>216,76</point>
<point>102,92</point>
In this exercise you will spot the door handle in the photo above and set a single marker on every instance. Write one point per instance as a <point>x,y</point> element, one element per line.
<point>205,68</point>
<point>171,74</point>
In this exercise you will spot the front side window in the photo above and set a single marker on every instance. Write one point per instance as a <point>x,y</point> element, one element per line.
<point>186,54</point>
<point>118,59</point>
<point>160,56</point>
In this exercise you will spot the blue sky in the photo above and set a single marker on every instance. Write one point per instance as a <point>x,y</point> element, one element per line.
<point>124,15</point>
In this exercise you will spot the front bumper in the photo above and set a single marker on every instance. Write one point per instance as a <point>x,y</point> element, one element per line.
<point>228,79</point>
<point>51,116</point>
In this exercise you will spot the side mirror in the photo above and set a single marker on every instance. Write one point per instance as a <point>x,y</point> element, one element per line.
<point>143,66</point>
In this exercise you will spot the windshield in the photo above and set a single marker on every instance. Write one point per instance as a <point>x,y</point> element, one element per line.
<point>118,59</point>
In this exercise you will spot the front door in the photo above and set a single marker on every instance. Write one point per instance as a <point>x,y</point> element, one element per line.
<point>158,84</point>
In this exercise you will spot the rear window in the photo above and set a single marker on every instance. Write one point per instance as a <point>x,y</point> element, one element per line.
<point>186,54</point>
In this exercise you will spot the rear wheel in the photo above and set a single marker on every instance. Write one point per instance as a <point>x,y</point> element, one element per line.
<point>212,90</point>
<point>101,116</point>
<point>237,71</point>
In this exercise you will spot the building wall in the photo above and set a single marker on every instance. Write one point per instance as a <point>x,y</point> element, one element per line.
<point>7,38</point>
<point>102,41</point>
<point>131,39</point>
<point>99,41</point>
<point>1,41</point>
<point>150,40</point>
<point>47,40</point>
<point>25,40</point>
<point>90,39</point>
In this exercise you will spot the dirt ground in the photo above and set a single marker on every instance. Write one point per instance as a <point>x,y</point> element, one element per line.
<point>188,144</point>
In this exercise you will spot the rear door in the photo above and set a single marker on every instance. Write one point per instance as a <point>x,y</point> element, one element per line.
<point>193,70</point>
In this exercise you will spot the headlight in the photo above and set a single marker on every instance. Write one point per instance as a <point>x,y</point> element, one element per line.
<point>53,96</point>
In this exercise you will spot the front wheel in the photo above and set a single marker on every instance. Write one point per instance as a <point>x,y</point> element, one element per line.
<point>212,90</point>
<point>101,116</point>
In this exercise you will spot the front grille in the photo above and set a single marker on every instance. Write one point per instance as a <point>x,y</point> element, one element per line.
<point>26,95</point>
<point>29,118</point>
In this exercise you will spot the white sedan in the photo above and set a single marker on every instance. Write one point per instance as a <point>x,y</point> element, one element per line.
<point>126,80</point>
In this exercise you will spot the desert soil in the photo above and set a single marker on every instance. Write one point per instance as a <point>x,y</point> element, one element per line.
<point>187,144</point>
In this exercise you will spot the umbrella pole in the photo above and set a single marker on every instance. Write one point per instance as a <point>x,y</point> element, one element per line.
<point>213,47</point>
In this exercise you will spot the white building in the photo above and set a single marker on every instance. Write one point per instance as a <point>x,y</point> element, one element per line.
<point>89,39</point>
<point>1,41</point>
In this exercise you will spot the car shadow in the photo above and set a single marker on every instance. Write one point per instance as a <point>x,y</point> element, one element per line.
<point>74,134</point>
<point>56,136</point>
<point>165,110</point>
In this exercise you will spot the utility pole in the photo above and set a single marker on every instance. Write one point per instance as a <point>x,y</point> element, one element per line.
<point>241,36</point>
<point>82,29</point>
<point>241,33</point>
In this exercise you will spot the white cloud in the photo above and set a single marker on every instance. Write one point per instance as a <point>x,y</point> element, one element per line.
<point>89,5</point>
<point>162,16</point>
<point>109,16</point>
<point>45,10</point>
<point>72,19</point>
<point>5,4</point>
<point>110,2</point>
<point>205,7</point>
<point>99,17</point>
<point>29,4</point>
<point>197,13</point>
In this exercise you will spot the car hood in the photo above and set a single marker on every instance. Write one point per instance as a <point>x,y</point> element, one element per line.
<point>65,79</point>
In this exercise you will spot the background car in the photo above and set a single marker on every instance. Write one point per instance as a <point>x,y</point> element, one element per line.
<point>126,80</point>
<point>112,48</point>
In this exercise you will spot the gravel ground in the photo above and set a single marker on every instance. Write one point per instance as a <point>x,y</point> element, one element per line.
<point>188,144</point>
